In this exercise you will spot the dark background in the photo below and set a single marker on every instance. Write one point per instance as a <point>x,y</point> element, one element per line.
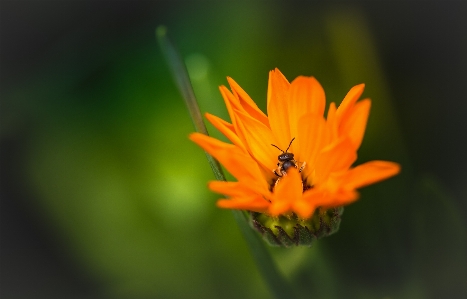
<point>102,195</point>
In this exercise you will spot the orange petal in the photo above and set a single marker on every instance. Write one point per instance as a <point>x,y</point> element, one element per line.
<point>248,105</point>
<point>255,204</point>
<point>310,139</point>
<point>331,112</point>
<point>287,191</point>
<point>331,124</point>
<point>304,209</point>
<point>349,100</point>
<point>278,109</point>
<point>225,128</point>
<point>355,124</point>
<point>258,139</point>
<point>336,157</point>
<point>305,96</point>
<point>239,189</point>
<point>370,172</point>
<point>233,189</point>
<point>234,159</point>
<point>340,198</point>
<point>232,104</point>
<point>311,200</point>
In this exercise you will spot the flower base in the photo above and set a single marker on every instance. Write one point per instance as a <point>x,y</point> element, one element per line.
<point>288,231</point>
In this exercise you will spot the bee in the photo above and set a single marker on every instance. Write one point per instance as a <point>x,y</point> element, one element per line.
<point>286,160</point>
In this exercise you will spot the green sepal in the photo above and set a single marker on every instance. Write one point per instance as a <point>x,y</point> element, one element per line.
<point>290,230</point>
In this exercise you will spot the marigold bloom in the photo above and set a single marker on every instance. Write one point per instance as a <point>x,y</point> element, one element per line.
<point>319,174</point>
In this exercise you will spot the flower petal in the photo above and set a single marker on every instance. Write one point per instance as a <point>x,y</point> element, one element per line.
<point>225,128</point>
<point>254,203</point>
<point>234,159</point>
<point>304,209</point>
<point>233,189</point>
<point>278,109</point>
<point>340,198</point>
<point>238,189</point>
<point>233,105</point>
<point>349,100</point>
<point>355,124</point>
<point>305,96</point>
<point>336,157</point>
<point>258,138</point>
<point>248,105</point>
<point>369,173</point>
<point>331,124</point>
<point>311,200</point>
<point>310,140</point>
<point>231,102</point>
<point>288,190</point>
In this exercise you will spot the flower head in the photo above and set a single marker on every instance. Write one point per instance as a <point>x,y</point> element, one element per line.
<point>293,160</point>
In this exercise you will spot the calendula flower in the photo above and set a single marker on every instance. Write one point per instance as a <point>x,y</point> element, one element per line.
<point>293,160</point>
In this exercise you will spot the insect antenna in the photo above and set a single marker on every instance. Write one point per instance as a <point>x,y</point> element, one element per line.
<point>277,147</point>
<point>287,147</point>
<point>290,144</point>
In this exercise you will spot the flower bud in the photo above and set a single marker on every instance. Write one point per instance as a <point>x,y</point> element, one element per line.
<point>290,230</point>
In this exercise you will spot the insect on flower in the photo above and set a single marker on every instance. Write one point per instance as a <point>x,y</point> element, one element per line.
<point>286,160</point>
<point>315,174</point>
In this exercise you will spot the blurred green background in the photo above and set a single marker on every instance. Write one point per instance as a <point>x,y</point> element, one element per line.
<point>103,195</point>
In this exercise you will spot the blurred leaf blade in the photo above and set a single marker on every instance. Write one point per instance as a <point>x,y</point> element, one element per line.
<point>263,259</point>
<point>440,241</point>
<point>180,75</point>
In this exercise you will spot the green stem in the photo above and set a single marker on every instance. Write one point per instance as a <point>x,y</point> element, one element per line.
<point>274,279</point>
<point>266,265</point>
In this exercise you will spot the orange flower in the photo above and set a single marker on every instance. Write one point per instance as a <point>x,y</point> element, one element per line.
<point>293,160</point>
